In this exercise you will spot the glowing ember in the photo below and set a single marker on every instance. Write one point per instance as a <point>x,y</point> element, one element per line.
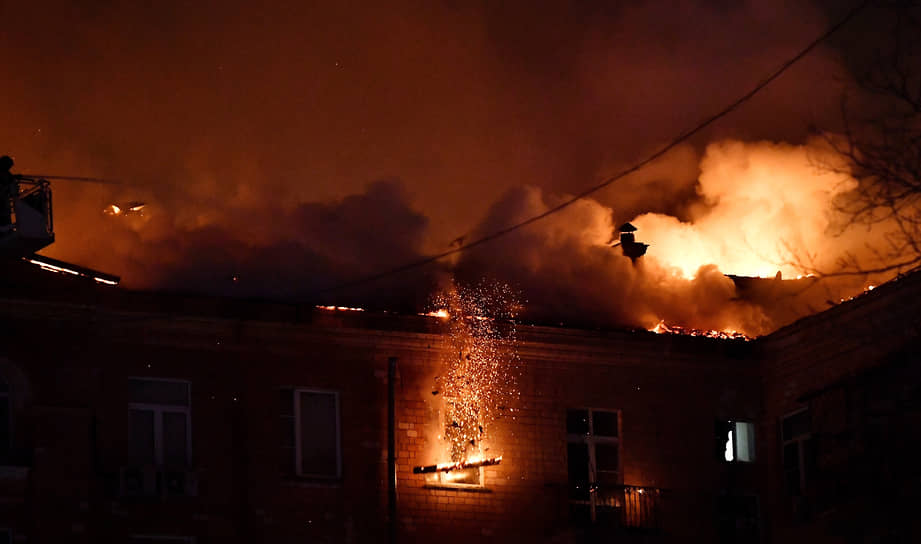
<point>59,269</point>
<point>479,378</point>
<point>460,465</point>
<point>112,209</point>
<point>443,314</point>
<point>727,334</point>
<point>340,309</point>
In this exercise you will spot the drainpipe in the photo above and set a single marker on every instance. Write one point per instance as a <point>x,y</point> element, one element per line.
<point>391,449</point>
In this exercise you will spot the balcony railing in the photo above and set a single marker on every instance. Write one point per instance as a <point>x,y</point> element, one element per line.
<point>620,506</point>
<point>152,482</point>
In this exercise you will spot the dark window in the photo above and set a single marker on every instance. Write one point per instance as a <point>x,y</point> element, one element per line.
<point>310,433</point>
<point>160,420</point>
<point>593,461</point>
<point>798,459</point>
<point>739,519</point>
<point>6,427</point>
<point>796,425</point>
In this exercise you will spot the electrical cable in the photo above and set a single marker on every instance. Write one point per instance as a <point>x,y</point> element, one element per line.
<point>608,181</point>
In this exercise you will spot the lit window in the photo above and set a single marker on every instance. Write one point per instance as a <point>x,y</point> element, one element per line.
<point>160,422</point>
<point>458,429</point>
<point>739,441</point>
<point>310,433</point>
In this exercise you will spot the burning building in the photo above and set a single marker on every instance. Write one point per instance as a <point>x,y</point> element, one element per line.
<point>142,417</point>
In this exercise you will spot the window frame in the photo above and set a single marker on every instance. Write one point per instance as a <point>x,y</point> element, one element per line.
<point>298,471</point>
<point>800,441</point>
<point>158,411</point>
<point>590,439</point>
<point>443,479</point>
<point>6,449</point>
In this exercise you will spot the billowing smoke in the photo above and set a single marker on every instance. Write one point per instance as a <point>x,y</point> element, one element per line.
<point>253,140</point>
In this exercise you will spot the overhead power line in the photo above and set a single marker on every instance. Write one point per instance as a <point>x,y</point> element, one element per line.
<point>608,181</point>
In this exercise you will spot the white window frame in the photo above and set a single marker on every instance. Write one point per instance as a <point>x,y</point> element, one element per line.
<point>158,411</point>
<point>298,439</point>
<point>800,441</point>
<point>733,439</point>
<point>591,439</point>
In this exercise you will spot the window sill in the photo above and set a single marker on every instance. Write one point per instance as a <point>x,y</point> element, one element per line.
<point>295,481</point>
<point>459,487</point>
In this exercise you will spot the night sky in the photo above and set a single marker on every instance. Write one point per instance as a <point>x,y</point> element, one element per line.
<point>295,145</point>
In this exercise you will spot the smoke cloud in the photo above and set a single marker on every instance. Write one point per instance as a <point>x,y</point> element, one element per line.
<point>252,140</point>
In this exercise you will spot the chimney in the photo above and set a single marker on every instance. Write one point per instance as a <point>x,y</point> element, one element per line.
<point>628,244</point>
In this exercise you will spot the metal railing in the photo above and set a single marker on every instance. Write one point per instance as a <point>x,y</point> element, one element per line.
<point>26,222</point>
<point>620,506</point>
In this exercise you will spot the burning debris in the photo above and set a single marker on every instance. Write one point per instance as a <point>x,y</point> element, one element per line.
<point>663,328</point>
<point>479,378</point>
<point>60,267</point>
<point>131,208</point>
<point>339,308</point>
<point>460,465</point>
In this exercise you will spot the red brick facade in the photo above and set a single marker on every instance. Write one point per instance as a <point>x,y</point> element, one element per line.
<point>68,367</point>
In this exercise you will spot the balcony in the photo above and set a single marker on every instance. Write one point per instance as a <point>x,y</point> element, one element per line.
<point>160,483</point>
<point>618,507</point>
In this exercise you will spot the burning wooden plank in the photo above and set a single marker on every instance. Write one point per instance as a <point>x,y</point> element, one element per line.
<point>460,465</point>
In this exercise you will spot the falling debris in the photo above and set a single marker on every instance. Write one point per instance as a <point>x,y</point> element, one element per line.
<point>482,373</point>
<point>339,309</point>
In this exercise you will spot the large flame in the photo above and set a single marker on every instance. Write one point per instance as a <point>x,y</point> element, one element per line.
<point>763,202</point>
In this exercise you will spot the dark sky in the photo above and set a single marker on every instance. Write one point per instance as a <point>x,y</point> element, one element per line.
<point>243,125</point>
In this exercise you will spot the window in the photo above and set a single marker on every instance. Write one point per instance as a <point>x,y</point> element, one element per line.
<point>311,433</point>
<point>161,430</point>
<point>593,454</point>
<point>6,424</point>
<point>738,519</point>
<point>160,539</point>
<point>738,441</point>
<point>459,426</point>
<point>797,451</point>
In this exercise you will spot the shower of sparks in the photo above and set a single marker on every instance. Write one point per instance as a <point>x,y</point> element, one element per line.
<point>479,380</point>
